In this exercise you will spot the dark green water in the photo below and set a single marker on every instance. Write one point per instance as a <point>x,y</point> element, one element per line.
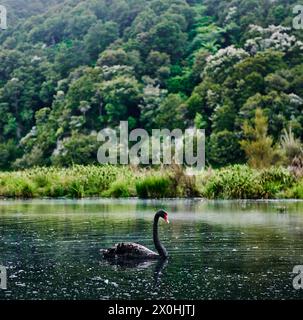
<point>218,250</point>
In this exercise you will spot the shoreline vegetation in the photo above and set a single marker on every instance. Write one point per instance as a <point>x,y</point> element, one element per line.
<point>75,67</point>
<point>233,182</point>
<point>71,68</point>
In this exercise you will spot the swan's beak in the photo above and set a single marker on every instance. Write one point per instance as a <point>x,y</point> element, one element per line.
<point>166,220</point>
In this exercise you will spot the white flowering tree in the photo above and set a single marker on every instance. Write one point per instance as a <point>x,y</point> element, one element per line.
<point>273,37</point>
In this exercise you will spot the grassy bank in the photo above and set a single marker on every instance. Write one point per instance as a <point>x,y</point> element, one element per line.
<point>236,182</point>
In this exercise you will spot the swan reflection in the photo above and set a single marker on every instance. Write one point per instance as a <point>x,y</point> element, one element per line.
<point>124,263</point>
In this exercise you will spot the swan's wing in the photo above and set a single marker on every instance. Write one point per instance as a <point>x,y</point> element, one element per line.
<point>134,250</point>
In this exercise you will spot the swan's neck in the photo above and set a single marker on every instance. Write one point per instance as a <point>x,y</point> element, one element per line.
<point>158,245</point>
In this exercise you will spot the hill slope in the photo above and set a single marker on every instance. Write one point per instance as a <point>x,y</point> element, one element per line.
<point>81,66</point>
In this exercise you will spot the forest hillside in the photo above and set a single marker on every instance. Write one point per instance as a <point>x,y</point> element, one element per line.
<point>70,68</point>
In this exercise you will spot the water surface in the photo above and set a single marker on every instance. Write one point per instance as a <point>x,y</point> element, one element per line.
<point>218,249</point>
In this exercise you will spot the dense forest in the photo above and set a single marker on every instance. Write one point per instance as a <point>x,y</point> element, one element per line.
<point>70,68</point>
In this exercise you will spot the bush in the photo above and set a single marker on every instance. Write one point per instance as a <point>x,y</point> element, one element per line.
<point>76,189</point>
<point>77,149</point>
<point>236,182</point>
<point>16,187</point>
<point>155,187</point>
<point>27,190</point>
<point>274,180</point>
<point>183,185</point>
<point>291,146</point>
<point>119,189</point>
<point>41,180</point>
<point>242,182</point>
<point>296,192</point>
<point>76,182</point>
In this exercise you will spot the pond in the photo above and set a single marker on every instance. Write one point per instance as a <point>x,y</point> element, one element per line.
<point>218,249</point>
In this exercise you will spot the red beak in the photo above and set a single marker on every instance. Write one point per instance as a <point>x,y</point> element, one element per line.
<point>166,218</point>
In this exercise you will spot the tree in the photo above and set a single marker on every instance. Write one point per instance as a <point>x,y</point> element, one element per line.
<point>157,65</point>
<point>99,36</point>
<point>8,153</point>
<point>168,37</point>
<point>223,118</point>
<point>70,56</point>
<point>121,98</point>
<point>152,98</point>
<point>170,113</point>
<point>258,146</point>
<point>77,149</point>
<point>224,149</point>
<point>82,65</point>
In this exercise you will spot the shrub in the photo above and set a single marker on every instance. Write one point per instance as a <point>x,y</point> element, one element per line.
<point>76,189</point>
<point>77,181</point>
<point>291,146</point>
<point>119,189</point>
<point>236,182</point>
<point>14,187</point>
<point>27,190</point>
<point>242,182</point>
<point>295,192</point>
<point>41,180</point>
<point>183,184</point>
<point>155,187</point>
<point>274,180</point>
<point>56,190</point>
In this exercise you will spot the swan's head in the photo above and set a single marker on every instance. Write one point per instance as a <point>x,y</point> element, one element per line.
<point>163,214</point>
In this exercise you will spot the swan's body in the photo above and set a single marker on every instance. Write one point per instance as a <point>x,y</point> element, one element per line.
<point>131,250</point>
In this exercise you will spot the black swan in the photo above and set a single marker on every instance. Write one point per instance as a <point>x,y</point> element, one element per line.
<point>136,251</point>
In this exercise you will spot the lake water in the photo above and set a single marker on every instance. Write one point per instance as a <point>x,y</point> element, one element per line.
<point>218,249</point>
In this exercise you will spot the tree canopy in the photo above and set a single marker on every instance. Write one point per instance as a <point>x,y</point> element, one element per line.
<point>69,69</point>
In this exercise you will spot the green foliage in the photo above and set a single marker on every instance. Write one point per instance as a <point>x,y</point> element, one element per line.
<point>296,192</point>
<point>258,145</point>
<point>170,114</point>
<point>234,182</point>
<point>78,149</point>
<point>76,181</point>
<point>243,182</point>
<point>238,182</point>
<point>275,180</point>
<point>71,68</point>
<point>99,36</point>
<point>121,96</point>
<point>152,186</point>
<point>120,189</point>
<point>8,152</point>
<point>291,146</point>
<point>224,148</point>
<point>88,181</point>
